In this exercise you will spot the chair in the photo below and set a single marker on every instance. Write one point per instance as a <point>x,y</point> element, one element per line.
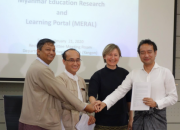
<point>12,108</point>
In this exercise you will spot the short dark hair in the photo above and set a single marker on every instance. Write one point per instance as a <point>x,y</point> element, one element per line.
<point>64,53</point>
<point>41,42</point>
<point>147,41</point>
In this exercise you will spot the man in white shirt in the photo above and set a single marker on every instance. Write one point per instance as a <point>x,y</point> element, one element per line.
<point>76,85</point>
<point>163,90</point>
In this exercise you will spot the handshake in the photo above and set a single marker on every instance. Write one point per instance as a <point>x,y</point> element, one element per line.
<point>96,106</point>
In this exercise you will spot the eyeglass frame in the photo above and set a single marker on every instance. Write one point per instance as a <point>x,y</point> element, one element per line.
<point>73,61</point>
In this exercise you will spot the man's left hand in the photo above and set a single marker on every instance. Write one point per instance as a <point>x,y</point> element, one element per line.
<point>149,102</point>
<point>92,120</point>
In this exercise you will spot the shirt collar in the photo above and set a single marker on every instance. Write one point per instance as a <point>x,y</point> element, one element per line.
<point>154,67</point>
<point>74,77</point>
<point>42,61</point>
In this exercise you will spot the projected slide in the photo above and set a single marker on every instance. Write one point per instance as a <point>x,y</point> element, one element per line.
<point>86,25</point>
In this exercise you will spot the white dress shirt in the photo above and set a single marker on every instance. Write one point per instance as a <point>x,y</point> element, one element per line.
<point>163,88</point>
<point>42,61</point>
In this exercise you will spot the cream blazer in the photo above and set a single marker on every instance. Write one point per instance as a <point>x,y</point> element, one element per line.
<point>42,97</point>
<point>71,117</point>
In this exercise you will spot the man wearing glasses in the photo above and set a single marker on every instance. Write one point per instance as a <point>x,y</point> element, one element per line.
<point>43,94</point>
<point>76,85</point>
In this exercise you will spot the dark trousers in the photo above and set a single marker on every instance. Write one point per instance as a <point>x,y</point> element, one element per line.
<point>153,119</point>
<point>23,126</point>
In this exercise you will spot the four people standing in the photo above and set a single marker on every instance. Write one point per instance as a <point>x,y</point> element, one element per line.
<point>44,96</point>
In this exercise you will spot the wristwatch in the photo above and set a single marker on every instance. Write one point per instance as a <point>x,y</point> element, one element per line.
<point>156,105</point>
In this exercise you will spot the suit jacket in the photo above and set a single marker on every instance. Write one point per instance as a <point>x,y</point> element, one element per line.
<point>41,98</point>
<point>71,117</point>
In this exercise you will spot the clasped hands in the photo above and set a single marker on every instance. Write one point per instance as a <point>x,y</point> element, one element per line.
<point>98,105</point>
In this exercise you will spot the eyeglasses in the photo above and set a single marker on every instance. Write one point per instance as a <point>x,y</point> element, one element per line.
<point>73,61</point>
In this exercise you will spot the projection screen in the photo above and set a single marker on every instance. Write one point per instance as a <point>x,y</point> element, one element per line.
<point>87,26</point>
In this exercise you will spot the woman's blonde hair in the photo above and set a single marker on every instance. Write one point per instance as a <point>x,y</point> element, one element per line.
<point>109,48</point>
